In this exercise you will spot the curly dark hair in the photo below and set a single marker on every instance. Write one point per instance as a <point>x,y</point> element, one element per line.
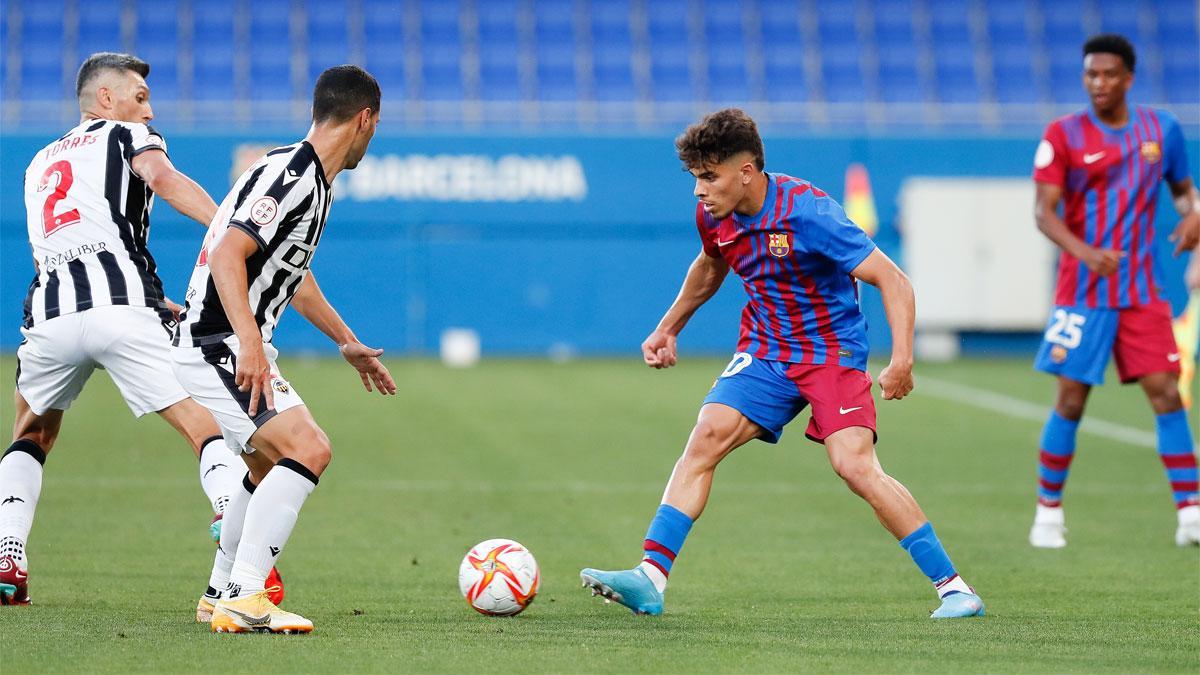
<point>1111,43</point>
<point>719,136</point>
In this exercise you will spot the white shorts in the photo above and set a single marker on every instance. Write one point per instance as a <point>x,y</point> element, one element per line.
<point>207,374</point>
<point>132,343</point>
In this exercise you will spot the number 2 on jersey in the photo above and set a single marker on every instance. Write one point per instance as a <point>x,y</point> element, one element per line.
<point>52,223</point>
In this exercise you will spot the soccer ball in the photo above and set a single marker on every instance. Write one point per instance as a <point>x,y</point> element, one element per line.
<point>499,577</point>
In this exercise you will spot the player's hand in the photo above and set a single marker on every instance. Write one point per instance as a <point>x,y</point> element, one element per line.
<point>253,374</point>
<point>658,351</point>
<point>1187,232</point>
<point>176,308</point>
<point>896,381</point>
<point>1103,261</point>
<point>1192,276</point>
<point>370,369</point>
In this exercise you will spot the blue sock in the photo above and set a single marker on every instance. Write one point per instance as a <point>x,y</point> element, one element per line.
<point>1177,452</point>
<point>1054,460</point>
<point>665,537</point>
<point>929,555</point>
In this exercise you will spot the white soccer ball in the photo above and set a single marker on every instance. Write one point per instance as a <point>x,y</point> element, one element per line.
<point>499,577</point>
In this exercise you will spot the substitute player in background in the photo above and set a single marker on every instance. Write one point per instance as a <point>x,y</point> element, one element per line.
<point>803,343</point>
<point>1104,165</point>
<point>96,299</point>
<point>255,260</point>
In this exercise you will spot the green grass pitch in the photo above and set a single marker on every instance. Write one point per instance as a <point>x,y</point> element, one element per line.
<point>786,571</point>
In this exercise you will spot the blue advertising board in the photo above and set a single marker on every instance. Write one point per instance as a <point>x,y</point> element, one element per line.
<point>542,244</point>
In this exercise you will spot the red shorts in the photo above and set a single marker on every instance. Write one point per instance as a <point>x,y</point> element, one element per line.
<point>1145,342</point>
<point>840,398</point>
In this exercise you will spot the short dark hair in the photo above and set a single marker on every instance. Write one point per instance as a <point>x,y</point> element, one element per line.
<point>1111,43</point>
<point>719,136</point>
<point>342,92</point>
<point>101,61</point>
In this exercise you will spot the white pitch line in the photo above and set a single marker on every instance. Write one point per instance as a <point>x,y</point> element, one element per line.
<point>1014,407</point>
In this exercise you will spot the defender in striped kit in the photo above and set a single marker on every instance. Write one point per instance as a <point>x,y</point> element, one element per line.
<point>802,344</point>
<point>254,263</point>
<point>96,300</point>
<point>1104,167</point>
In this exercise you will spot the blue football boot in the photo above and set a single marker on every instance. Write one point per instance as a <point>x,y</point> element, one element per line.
<point>631,588</point>
<point>959,605</point>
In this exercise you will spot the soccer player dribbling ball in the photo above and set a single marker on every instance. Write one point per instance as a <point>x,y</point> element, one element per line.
<point>96,300</point>
<point>1104,167</point>
<point>802,344</point>
<point>254,262</point>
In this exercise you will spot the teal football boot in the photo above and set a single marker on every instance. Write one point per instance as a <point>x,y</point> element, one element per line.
<point>631,588</point>
<point>958,606</point>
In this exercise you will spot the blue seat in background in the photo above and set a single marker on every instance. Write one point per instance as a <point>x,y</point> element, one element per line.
<point>1012,72</point>
<point>725,42</point>
<point>441,50</point>
<point>158,42</point>
<point>213,77</point>
<point>1181,73</point>
<point>612,68</point>
<point>99,28</point>
<point>328,36</point>
<point>42,45</point>
<point>841,68</point>
<point>384,40</point>
<point>556,79</point>
<point>270,48</point>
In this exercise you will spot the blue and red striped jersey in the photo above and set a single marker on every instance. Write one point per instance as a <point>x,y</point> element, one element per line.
<point>1110,180</point>
<point>795,257</point>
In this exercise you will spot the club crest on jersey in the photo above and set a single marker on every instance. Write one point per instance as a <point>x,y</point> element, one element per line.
<point>778,245</point>
<point>1058,353</point>
<point>263,211</point>
<point>280,386</point>
<point>1151,152</point>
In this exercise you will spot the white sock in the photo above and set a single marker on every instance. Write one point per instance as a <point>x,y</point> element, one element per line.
<point>220,472</point>
<point>1189,515</point>
<point>270,518</point>
<point>232,523</point>
<point>20,487</point>
<point>956,583</point>
<point>655,575</point>
<point>1049,515</point>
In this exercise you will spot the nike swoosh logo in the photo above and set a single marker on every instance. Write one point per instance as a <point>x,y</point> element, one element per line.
<point>1092,158</point>
<point>725,243</point>
<point>250,620</point>
<point>1173,357</point>
<point>843,411</point>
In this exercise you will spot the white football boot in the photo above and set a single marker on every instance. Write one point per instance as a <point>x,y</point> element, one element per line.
<point>1049,530</point>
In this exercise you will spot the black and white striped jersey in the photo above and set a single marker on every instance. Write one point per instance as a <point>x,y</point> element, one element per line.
<point>88,216</point>
<point>281,202</point>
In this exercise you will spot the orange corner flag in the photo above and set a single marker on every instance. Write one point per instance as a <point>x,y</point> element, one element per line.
<point>858,201</point>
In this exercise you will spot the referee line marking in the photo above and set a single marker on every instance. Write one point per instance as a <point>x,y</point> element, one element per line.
<point>985,399</point>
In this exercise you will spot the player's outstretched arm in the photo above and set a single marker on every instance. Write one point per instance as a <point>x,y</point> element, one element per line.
<point>312,305</point>
<point>227,264</point>
<point>1100,261</point>
<point>1187,203</point>
<point>900,303</point>
<point>703,280</point>
<point>181,192</point>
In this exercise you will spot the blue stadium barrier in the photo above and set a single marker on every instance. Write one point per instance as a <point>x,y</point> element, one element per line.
<point>541,243</point>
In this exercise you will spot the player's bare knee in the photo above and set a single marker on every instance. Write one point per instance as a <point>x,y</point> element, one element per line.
<point>1167,401</point>
<point>311,448</point>
<point>1071,401</point>
<point>706,446</point>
